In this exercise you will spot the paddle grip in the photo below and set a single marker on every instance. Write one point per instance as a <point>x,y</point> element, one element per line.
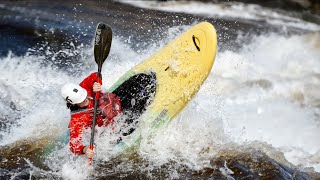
<point>99,80</point>
<point>96,101</point>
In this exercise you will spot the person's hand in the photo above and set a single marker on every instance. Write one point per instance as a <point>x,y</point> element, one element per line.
<point>96,87</point>
<point>88,152</point>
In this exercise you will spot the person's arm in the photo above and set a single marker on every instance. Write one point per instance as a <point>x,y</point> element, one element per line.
<point>76,129</point>
<point>75,143</point>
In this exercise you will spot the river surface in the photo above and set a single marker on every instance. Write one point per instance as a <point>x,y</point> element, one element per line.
<point>257,116</point>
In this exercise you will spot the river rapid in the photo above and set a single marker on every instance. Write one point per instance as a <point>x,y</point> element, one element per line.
<point>257,116</point>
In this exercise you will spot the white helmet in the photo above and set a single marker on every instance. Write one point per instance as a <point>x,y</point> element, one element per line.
<point>73,93</point>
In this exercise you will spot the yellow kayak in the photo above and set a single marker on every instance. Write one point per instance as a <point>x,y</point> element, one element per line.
<point>162,85</point>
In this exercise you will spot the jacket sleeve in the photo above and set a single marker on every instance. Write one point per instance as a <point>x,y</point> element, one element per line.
<point>76,129</point>
<point>87,83</point>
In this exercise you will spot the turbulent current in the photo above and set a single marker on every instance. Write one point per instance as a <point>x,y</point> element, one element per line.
<point>257,116</point>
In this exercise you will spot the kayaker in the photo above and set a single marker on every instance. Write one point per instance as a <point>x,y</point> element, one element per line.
<point>79,99</point>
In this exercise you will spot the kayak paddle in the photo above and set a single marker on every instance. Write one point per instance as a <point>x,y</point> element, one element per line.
<point>102,45</point>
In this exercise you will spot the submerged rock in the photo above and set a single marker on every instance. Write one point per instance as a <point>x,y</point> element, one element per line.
<point>16,156</point>
<point>255,164</point>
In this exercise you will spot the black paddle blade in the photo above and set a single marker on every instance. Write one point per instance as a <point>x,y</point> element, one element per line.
<point>102,44</point>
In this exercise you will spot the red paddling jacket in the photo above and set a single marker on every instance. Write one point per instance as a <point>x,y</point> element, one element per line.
<point>81,118</point>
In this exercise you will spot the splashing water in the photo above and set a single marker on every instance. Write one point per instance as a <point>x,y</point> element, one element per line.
<point>266,92</point>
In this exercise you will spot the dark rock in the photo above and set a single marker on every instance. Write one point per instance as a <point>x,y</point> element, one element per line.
<point>255,164</point>
<point>4,174</point>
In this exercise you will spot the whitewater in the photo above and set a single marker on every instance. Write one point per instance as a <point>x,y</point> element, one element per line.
<point>264,95</point>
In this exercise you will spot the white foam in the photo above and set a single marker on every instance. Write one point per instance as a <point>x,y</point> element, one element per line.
<point>265,92</point>
<point>34,90</point>
<point>268,94</point>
